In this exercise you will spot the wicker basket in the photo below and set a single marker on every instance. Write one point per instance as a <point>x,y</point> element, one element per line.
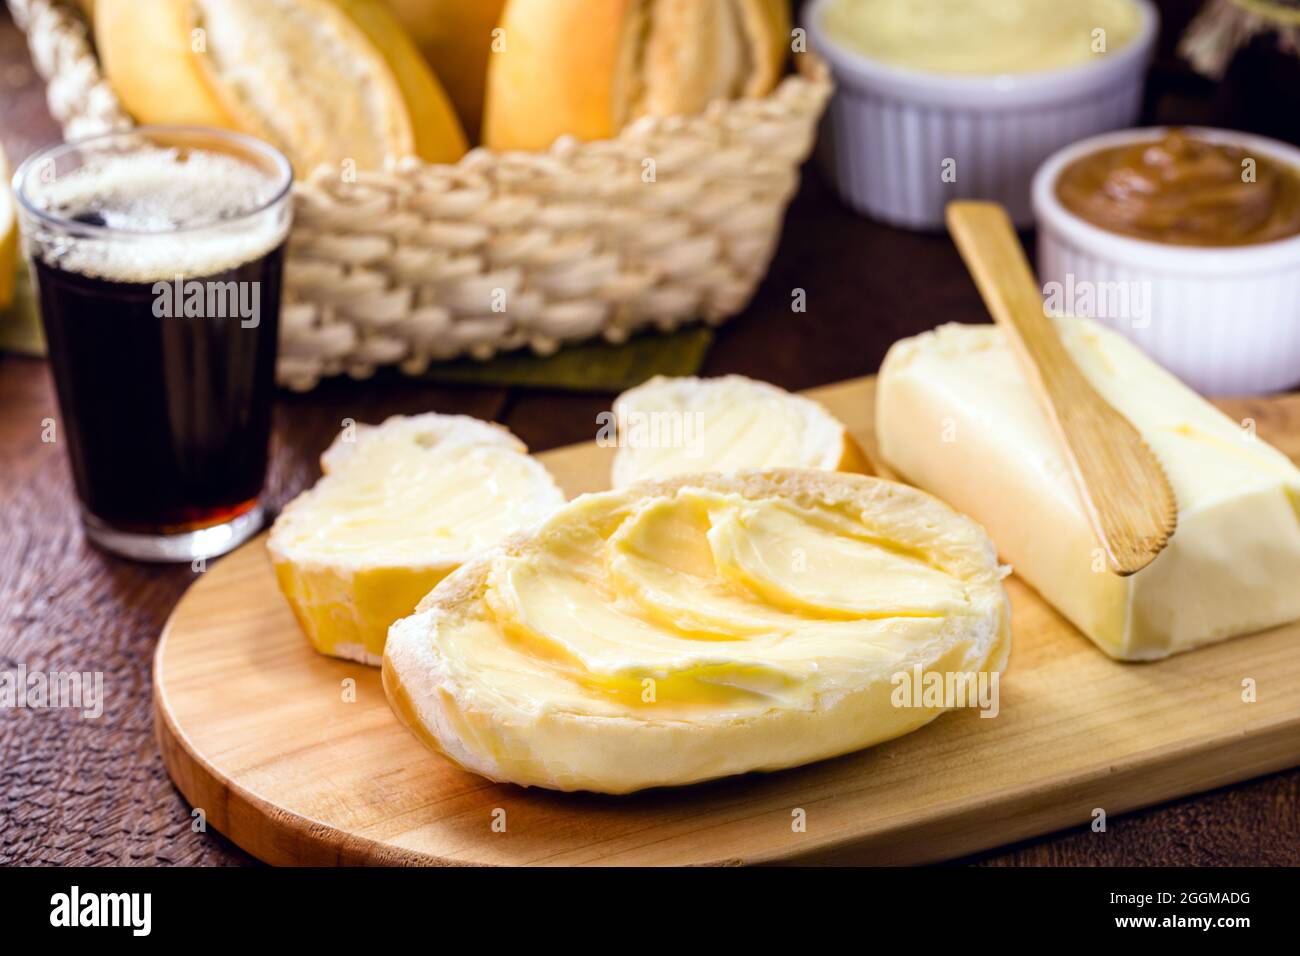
<point>673,221</point>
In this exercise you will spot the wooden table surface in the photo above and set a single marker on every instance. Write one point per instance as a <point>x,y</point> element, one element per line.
<point>77,791</point>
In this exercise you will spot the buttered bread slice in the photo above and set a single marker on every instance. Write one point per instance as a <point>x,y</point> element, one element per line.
<point>401,505</point>
<point>678,631</point>
<point>677,426</point>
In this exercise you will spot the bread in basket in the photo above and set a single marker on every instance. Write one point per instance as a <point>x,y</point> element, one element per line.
<point>672,219</point>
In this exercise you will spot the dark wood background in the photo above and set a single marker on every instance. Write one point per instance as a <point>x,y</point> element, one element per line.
<point>76,791</point>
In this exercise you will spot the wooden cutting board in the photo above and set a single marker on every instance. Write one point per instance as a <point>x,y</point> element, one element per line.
<point>297,758</point>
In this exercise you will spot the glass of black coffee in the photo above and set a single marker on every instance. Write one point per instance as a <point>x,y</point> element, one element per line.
<point>157,256</point>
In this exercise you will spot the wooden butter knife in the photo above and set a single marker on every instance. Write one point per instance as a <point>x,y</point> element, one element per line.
<point>1125,492</point>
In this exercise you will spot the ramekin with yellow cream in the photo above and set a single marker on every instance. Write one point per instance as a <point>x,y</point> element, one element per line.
<point>945,99</point>
<point>1187,242</point>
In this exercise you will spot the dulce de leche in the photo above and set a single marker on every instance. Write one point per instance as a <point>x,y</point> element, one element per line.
<point>1184,191</point>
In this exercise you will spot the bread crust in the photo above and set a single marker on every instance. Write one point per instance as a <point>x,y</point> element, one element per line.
<point>455,37</point>
<point>438,136</point>
<point>768,22</point>
<point>559,73</point>
<point>578,68</point>
<point>854,459</point>
<point>154,71</point>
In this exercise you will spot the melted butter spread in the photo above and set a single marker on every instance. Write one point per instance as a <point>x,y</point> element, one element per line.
<point>1184,191</point>
<point>400,503</point>
<point>981,36</point>
<point>670,633</point>
<point>679,426</point>
<point>718,600</point>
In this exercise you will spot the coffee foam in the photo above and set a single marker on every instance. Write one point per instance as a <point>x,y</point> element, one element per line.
<point>151,194</point>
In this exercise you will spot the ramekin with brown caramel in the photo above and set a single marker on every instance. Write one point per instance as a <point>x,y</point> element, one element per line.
<point>1185,240</point>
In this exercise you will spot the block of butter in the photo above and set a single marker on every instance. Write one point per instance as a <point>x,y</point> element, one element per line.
<point>401,505</point>
<point>955,415</point>
<point>683,630</point>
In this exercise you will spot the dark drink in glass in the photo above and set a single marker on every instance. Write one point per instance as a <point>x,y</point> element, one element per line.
<point>157,256</point>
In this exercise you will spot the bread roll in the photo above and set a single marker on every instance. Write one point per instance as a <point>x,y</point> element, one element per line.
<point>324,80</point>
<point>677,426</point>
<point>455,37</point>
<point>586,69</point>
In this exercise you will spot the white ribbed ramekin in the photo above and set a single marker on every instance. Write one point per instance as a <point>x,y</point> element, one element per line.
<point>891,130</point>
<point>1225,320</point>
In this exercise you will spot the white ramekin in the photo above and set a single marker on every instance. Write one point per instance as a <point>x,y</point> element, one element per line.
<point>1225,320</point>
<point>890,129</point>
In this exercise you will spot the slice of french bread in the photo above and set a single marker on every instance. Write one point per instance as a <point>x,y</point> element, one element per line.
<point>401,505</point>
<point>675,426</point>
